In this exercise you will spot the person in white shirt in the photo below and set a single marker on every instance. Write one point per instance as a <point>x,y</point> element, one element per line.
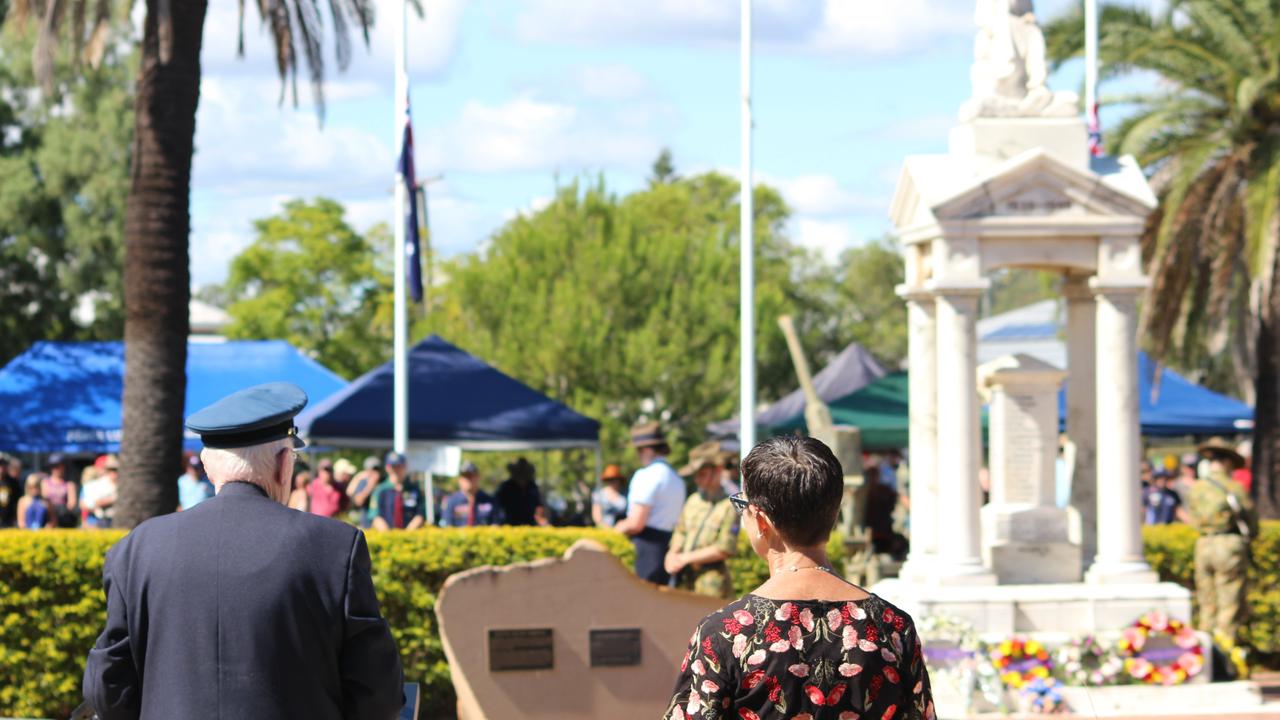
<point>654,502</point>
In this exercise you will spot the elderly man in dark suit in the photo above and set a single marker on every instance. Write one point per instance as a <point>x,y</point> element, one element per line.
<point>242,608</point>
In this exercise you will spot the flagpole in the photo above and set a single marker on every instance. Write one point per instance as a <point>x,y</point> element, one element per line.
<point>747,352</point>
<point>1091,70</point>
<point>400,384</point>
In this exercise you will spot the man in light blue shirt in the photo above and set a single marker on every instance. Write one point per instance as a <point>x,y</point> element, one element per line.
<point>193,487</point>
<point>654,502</point>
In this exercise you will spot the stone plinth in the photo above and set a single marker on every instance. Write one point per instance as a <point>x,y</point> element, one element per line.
<point>578,637</point>
<point>1002,138</point>
<point>1065,609</point>
<point>1026,538</point>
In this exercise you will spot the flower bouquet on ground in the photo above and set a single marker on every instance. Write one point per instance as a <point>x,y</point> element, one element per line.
<point>1158,650</point>
<point>1021,661</point>
<point>953,653</point>
<point>1042,696</point>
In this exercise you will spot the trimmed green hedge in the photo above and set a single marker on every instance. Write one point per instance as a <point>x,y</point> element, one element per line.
<point>1171,551</point>
<point>51,604</point>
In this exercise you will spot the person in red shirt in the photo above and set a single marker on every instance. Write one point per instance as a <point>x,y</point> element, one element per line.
<point>326,497</point>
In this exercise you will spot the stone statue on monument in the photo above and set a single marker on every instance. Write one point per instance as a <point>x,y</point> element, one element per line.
<point>1009,67</point>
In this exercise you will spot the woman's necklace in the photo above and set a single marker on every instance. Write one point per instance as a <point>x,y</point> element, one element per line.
<point>795,568</point>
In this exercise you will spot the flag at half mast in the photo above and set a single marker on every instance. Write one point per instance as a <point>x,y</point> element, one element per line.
<point>412,260</point>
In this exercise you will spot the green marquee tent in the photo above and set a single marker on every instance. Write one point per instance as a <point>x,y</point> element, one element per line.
<point>879,410</point>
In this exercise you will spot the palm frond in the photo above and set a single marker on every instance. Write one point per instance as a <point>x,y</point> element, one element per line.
<point>297,27</point>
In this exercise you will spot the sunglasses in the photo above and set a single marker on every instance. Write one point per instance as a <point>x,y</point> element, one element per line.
<point>739,502</point>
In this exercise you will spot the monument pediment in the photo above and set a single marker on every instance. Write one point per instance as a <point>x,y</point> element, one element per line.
<point>1034,184</point>
<point>1038,184</point>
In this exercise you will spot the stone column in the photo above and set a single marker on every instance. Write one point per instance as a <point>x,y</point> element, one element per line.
<point>1082,412</point>
<point>959,438</point>
<point>1119,556</point>
<point>923,403</point>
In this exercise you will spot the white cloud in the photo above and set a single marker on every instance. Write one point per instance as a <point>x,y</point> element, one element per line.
<point>855,27</point>
<point>877,27</point>
<point>528,134</point>
<point>830,238</point>
<point>823,196</point>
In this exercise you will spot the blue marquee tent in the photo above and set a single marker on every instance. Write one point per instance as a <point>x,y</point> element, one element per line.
<point>1170,405</point>
<point>454,399</point>
<point>66,396</point>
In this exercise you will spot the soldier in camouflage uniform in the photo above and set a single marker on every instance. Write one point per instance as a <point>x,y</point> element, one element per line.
<point>707,533</point>
<point>1221,511</point>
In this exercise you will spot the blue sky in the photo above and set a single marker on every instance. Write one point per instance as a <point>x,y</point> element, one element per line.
<point>508,95</point>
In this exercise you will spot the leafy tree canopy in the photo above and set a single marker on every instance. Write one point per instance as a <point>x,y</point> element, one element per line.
<point>627,307</point>
<point>311,279</point>
<point>64,175</point>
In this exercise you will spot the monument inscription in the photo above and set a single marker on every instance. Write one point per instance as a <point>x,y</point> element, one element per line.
<point>522,649</point>
<point>615,647</point>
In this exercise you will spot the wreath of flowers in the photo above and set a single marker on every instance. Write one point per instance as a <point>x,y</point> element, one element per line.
<point>1020,661</point>
<point>1186,662</point>
<point>1088,661</point>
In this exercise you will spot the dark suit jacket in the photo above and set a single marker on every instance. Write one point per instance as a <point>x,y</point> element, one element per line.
<point>242,609</point>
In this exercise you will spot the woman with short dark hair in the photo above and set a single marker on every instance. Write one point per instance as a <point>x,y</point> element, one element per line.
<point>806,644</point>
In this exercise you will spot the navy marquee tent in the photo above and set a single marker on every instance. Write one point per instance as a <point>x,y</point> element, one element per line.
<point>454,399</point>
<point>66,396</point>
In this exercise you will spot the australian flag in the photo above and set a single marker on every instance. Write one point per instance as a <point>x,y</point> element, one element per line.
<point>1095,132</point>
<point>412,260</point>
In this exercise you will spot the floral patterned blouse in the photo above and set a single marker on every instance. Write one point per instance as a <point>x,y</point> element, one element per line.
<point>759,659</point>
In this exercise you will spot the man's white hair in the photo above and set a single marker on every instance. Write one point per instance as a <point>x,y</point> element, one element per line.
<point>254,464</point>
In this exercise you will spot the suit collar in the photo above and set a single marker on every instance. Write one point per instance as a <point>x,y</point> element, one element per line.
<point>242,488</point>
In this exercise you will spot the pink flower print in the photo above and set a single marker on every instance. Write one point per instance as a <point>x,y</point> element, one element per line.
<point>799,670</point>
<point>857,612</point>
<point>699,668</point>
<point>797,641</point>
<point>694,704</point>
<point>757,657</point>
<point>850,669</point>
<point>739,645</point>
<point>784,611</point>
<point>895,641</point>
<point>834,619</point>
<point>849,637</point>
<point>709,687</point>
<point>919,688</point>
<point>806,620</point>
<point>780,646</point>
<point>888,655</point>
<point>752,679</point>
<point>849,715</point>
<point>743,617</point>
<point>866,646</point>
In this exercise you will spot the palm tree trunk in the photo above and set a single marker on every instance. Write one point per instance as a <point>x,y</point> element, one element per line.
<point>1266,434</point>
<point>157,276</point>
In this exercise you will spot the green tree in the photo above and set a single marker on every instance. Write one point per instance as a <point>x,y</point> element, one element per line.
<point>311,279</point>
<point>628,307</point>
<point>64,174</point>
<point>157,220</point>
<point>664,169</point>
<point>868,308</point>
<point>1209,136</point>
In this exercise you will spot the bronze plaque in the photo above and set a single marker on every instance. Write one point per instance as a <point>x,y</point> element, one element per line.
<point>529,649</point>
<point>615,648</point>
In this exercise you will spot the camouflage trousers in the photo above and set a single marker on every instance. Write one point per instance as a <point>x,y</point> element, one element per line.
<point>711,580</point>
<point>1222,563</point>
